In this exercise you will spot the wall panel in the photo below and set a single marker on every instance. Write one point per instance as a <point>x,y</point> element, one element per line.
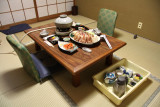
<point>4,7</point>
<point>28,4</point>
<point>60,1</point>
<point>51,1</point>
<point>69,0</point>
<point>15,4</point>
<point>6,18</point>
<point>18,16</point>
<point>61,7</point>
<point>42,11</point>
<point>41,2</point>
<point>130,12</point>
<point>13,12</point>
<point>69,6</point>
<point>52,9</point>
<point>30,13</point>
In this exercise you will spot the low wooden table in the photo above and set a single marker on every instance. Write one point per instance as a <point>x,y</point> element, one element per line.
<point>80,60</point>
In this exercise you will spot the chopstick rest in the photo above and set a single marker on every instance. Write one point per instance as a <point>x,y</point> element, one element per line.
<point>86,49</point>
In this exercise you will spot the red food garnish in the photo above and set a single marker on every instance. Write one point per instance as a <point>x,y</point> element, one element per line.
<point>68,46</point>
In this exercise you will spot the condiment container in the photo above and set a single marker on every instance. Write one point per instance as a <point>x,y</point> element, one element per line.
<point>119,86</point>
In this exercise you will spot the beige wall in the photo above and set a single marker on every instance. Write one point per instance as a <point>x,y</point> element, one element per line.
<point>130,12</point>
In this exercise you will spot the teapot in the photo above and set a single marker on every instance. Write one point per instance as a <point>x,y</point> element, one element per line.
<point>63,21</point>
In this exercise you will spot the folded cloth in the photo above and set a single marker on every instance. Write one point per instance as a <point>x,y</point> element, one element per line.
<point>16,29</point>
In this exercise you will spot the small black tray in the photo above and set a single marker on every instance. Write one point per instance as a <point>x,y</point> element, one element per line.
<point>53,41</point>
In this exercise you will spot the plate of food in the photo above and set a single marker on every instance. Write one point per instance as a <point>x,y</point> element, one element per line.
<point>84,37</point>
<point>67,46</point>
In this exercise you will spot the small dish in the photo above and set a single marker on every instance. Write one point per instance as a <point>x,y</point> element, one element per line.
<point>53,39</point>
<point>66,39</point>
<point>78,24</point>
<point>67,46</point>
<point>44,33</point>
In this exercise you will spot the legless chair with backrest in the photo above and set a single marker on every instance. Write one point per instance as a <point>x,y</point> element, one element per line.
<point>31,64</point>
<point>106,21</point>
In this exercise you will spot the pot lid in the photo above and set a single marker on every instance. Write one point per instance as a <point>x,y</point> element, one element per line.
<point>63,19</point>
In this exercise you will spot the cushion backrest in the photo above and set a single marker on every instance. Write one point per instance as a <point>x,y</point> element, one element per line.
<point>24,57</point>
<point>106,21</point>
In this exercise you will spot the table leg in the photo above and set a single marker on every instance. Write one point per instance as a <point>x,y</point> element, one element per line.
<point>38,48</point>
<point>109,59</point>
<point>76,79</point>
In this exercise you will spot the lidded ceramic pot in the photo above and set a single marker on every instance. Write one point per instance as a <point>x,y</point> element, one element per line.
<point>63,21</point>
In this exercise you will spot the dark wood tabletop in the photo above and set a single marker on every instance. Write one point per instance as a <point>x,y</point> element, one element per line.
<point>79,60</point>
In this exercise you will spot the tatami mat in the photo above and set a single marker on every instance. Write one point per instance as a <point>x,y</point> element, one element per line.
<point>12,74</point>
<point>155,102</point>
<point>81,19</point>
<point>32,94</point>
<point>17,89</point>
<point>141,51</point>
<point>86,95</point>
